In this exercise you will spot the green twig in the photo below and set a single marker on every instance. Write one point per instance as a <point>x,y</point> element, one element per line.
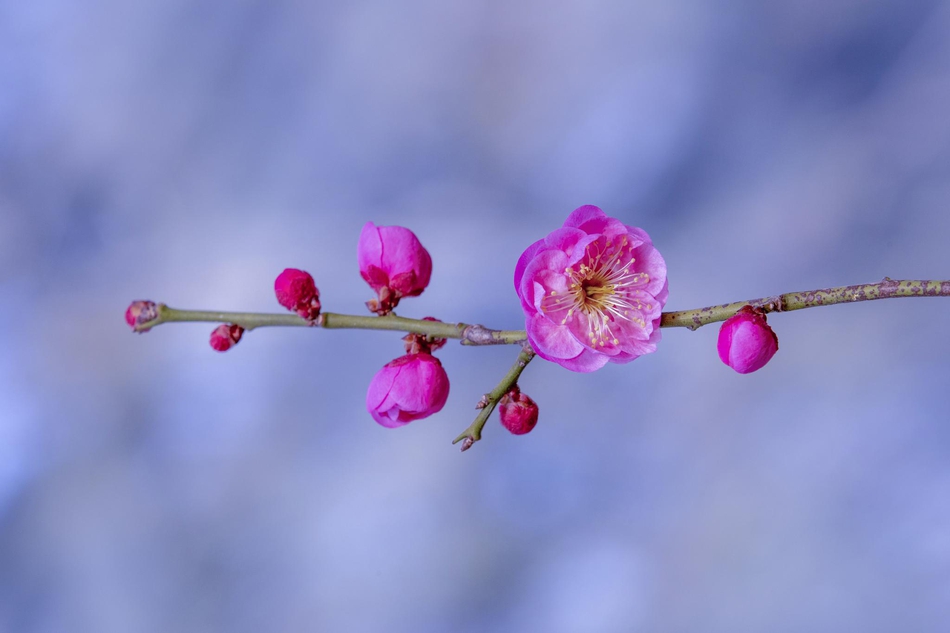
<point>468,334</point>
<point>885,289</point>
<point>479,335</point>
<point>488,402</point>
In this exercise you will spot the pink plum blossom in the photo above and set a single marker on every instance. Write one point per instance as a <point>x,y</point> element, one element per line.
<point>297,292</point>
<point>394,263</point>
<point>746,342</point>
<point>409,388</point>
<point>592,292</point>
<point>518,412</point>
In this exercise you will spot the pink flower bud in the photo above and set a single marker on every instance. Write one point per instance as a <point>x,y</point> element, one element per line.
<point>409,388</point>
<point>296,291</point>
<point>226,336</point>
<point>140,312</point>
<point>394,263</point>
<point>746,342</point>
<point>519,413</point>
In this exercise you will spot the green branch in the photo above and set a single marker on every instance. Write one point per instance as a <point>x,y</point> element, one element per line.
<point>886,289</point>
<point>468,334</point>
<point>481,335</point>
<point>490,400</point>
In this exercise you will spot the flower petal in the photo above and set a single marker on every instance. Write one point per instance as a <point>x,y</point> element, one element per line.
<point>565,239</point>
<point>584,215</point>
<point>545,261</point>
<point>551,341</point>
<point>585,362</point>
<point>369,249</point>
<point>523,261</point>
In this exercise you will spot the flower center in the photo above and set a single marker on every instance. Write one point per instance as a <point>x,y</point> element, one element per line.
<point>604,290</point>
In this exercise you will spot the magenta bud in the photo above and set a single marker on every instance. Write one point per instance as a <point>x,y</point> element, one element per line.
<point>140,312</point>
<point>746,342</point>
<point>518,412</point>
<point>226,336</point>
<point>296,291</point>
<point>394,263</point>
<point>409,388</point>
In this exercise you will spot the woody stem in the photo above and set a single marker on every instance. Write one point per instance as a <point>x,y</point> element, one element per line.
<point>488,403</point>
<point>885,289</point>
<point>470,334</point>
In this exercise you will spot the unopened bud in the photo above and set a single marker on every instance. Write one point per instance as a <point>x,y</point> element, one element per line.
<point>226,336</point>
<point>518,412</point>
<point>296,291</point>
<point>140,312</point>
<point>394,263</point>
<point>408,388</point>
<point>746,342</point>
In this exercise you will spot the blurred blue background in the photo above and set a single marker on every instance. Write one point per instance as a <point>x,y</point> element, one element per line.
<point>187,152</point>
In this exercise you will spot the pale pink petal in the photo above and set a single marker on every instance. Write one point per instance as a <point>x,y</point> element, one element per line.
<point>586,362</point>
<point>565,239</point>
<point>582,249</point>
<point>587,218</point>
<point>637,236</point>
<point>524,260</point>
<point>651,262</point>
<point>551,341</point>
<point>545,261</point>
<point>581,328</point>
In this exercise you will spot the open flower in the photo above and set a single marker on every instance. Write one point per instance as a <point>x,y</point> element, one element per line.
<point>592,292</point>
<point>746,342</point>
<point>394,263</point>
<point>409,388</point>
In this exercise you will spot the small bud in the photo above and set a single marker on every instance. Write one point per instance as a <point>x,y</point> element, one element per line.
<point>296,291</point>
<point>140,312</point>
<point>409,388</point>
<point>226,336</point>
<point>518,412</point>
<point>746,342</point>
<point>416,343</point>
<point>394,263</point>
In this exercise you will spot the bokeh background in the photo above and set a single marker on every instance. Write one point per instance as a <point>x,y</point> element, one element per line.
<point>187,152</point>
